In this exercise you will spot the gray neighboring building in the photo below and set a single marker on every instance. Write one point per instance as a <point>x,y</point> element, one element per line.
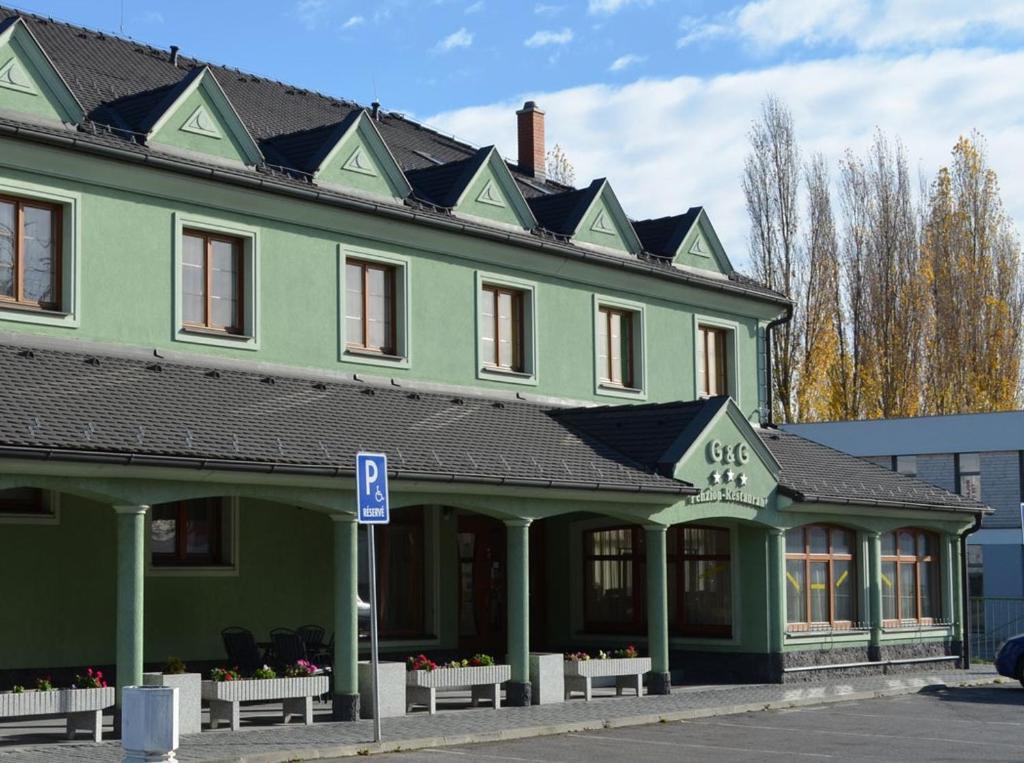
<point>980,455</point>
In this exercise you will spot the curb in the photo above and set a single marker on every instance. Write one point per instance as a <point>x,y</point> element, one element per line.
<point>505,735</point>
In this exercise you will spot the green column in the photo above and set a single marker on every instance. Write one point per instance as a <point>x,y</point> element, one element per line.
<point>875,594</point>
<point>958,583</point>
<point>131,566</point>
<point>657,609</point>
<point>518,691</point>
<point>776,575</point>
<point>346,618</point>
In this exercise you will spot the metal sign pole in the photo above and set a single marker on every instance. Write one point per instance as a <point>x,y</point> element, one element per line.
<point>374,656</point>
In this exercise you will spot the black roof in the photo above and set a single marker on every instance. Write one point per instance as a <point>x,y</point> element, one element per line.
<point>816,473</point>
<point>90,406</point>
<point>664,235</point>
<point>562,212</point>
<point>442,184</point>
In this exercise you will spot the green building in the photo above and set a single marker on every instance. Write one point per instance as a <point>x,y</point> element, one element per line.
<point>215,289</point>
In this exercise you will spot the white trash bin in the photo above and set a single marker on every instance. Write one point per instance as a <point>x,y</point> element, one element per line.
<point>149,723</point>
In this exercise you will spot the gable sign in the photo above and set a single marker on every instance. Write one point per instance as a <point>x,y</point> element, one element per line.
<point>201,123</point>
<point>359,162</point>
<point>490,195</point>
<point>13,77</point>
<point>729,476</point>
<point>601,224</point>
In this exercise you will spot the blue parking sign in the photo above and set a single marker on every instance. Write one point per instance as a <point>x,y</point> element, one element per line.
<point>372,488</point>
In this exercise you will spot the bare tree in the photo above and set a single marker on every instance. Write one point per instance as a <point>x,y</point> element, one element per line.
<point>558,167</point>
<point>771,181</point>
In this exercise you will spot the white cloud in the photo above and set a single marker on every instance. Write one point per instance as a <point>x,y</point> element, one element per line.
<point>548,37</point>
<point>697,30</point>
<point>475,7</point>
<point>460,38</point>
<point>546,9</point>
<point>353,21</point>
<point>311,13</point>
<point>613,6</point>
<point>689,134</point>
<point>624,62</point>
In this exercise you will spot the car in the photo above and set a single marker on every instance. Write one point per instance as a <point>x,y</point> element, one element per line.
<point>1010,658</point>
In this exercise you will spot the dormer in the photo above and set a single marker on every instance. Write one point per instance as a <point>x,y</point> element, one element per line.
<point>195,117</point>
<point>478,187</point>
<point>590,216</point>
<point>688,240</point>
<point>30,85</point>
<point>349,156</point>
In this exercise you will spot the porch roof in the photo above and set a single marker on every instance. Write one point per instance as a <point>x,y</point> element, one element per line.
<point>61,404</point>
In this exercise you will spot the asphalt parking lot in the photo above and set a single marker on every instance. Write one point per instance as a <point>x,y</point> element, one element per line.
<point>976,724</point>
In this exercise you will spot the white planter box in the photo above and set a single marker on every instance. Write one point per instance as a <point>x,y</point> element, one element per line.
<point>190,699</point>
<point>628,672</point>
<point>83,707</point>
<point>294,694</point>
<point>149,723</point>
<point>484,682</point>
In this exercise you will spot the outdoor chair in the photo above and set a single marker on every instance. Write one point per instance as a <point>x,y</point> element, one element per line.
<point>312,636</point>
<point>242,650</point>
<point>288,646</point>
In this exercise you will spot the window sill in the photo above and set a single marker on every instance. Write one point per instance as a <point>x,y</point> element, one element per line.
<point>617,390</point>
<point>199,335</point>
<point>192,571</point>
<point>506,375</point>
<point>201,331</point>
<point>17,311</point>
<point>371,358</point>
<point>29,519</point>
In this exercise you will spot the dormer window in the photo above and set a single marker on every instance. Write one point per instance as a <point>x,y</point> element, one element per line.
<point>30,258</point>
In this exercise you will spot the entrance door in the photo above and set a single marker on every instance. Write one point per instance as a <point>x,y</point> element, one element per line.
<point>482,590</point>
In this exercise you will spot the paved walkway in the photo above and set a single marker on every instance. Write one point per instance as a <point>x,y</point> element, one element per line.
<point>260,743</point>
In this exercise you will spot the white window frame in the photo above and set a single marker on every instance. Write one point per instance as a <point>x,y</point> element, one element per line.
<point>231,504</point>
<point>52,500</point>
<point>732,354</point>
<point>530,322</point>
<point>403,338</point>
<point>69,315</point>
<point>639,390</point>
<point>249,339</point>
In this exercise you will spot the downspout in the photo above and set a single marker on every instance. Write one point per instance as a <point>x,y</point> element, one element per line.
<point>782,319</point>
<point>965,646</point>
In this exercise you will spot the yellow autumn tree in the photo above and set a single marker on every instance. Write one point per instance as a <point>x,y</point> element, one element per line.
<point>972,263</point>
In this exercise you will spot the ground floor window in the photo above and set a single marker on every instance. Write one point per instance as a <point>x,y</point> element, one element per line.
<point>699,569</point>
<point>25,502</point>
<point>910,574</point>
<point>821,577</point>
<point>402,588</point>
<point>192,533</point>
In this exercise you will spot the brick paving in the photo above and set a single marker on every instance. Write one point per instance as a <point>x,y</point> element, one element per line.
<point>260,743</point>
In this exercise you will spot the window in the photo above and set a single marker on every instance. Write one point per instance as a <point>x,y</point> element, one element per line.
<point>713,364</point>
<point>212,280</point>
<point>402,574</point>
<point>501,328</point>
<point>193,533</point>
<point>906,465</point>
<point>615,347</point>
<point>27,505</point>
<point>910,575</point>
<point>821,577</point>
<point>613,572</point>
<point>370,324</point>
<point>699,567</point>
<point>30,253</point>
<point>968,475</point>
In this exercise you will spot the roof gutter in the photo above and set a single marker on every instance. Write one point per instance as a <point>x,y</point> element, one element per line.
<point>812,498</point>
<point>785,318</point>
<point>182,462</point>
<point>347,202</point>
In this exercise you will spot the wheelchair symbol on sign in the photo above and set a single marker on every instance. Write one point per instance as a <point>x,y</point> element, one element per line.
<point>379,495</point>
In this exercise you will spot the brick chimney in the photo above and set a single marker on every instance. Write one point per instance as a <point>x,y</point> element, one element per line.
<point>530,120</point>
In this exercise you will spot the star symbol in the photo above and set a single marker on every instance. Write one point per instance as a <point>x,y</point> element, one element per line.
<point>741,480</point>
<point>729,475</point>
<point>716,478</point>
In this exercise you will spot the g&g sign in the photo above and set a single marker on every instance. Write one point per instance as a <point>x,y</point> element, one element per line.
<point>728,454</point>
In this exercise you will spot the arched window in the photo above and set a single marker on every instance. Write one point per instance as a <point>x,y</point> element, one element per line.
<point>910,576</point>
<point>821,577</point>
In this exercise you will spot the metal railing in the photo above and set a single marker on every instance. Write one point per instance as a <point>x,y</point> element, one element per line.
<point>993,620</point>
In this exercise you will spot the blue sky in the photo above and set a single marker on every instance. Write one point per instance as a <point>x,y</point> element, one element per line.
<point>657,95</point>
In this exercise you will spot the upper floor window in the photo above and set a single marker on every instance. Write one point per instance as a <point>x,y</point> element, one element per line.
<point>906,465</point>
<point>191,533</point>
<point>502,328</point>
<point>30,257</point>
<point>910,570</point>
<point>212,282</point>
<point>370,324</point>
<point>821,577</point>
<point>713,363</point>
<point>969,475</point>
<point>615,346</point>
